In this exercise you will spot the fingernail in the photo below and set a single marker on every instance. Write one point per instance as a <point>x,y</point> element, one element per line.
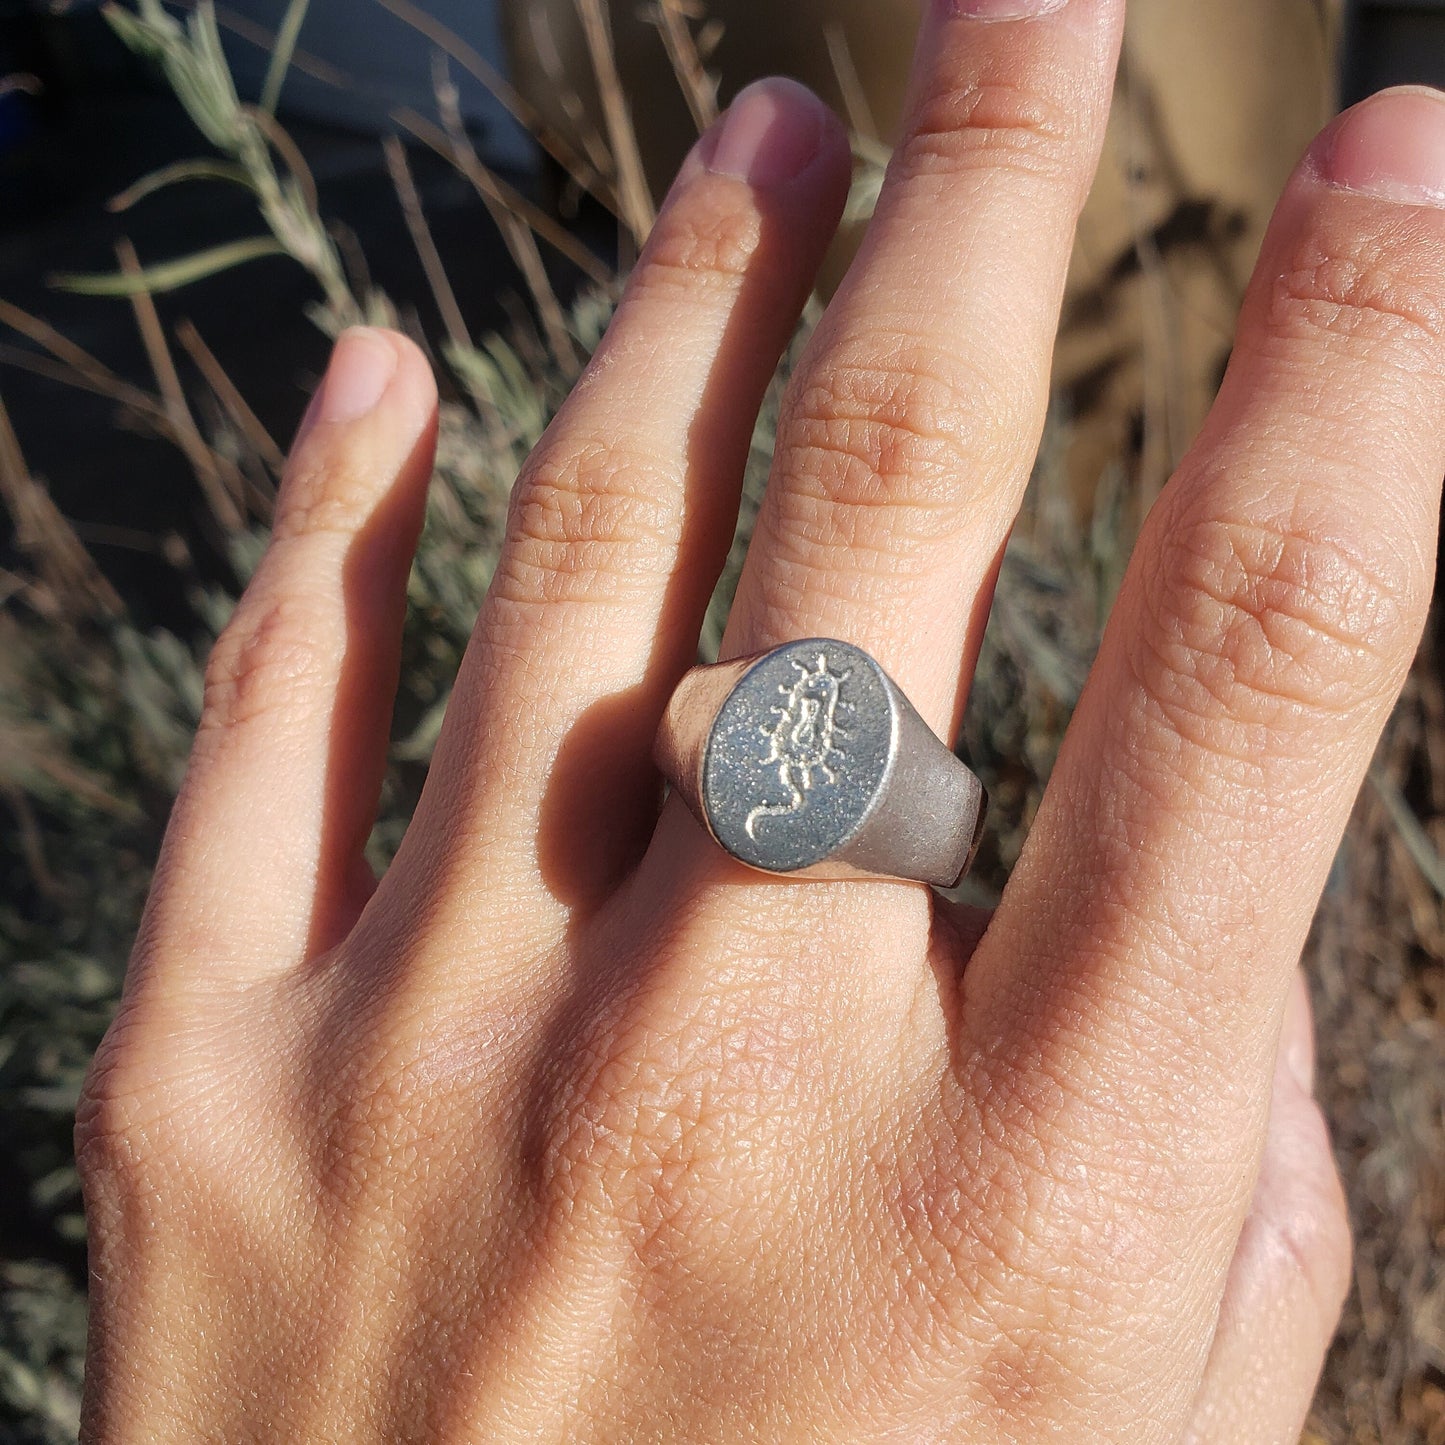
<point>771,132</point>
<point>1297,1037</point>
<point>363,363</point>
<point>1391,146</point>
<point>1001,9</point>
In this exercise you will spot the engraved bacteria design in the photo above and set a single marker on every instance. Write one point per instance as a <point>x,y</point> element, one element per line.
<point>803,741</point>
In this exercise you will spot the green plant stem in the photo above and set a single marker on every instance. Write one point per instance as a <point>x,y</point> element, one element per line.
<point>281,54</point>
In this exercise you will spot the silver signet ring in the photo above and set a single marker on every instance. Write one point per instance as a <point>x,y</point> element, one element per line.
<point>809,762</point>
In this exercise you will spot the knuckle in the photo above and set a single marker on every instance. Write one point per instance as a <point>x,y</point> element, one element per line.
<point>669,1132</point>
<point>270,653</point>
<point>157,1131</point>
<point>375,1105</point>
<point>708,236</point>
<point>997,126</point>
<point>1254,623</point>
<point>122,1113</point>
<point>100,1118</point>
<point>373,1113</point>
<point>1068,1167</point>
<point>627,1125</point>
<point>880,444</point>
<point>588,526</point>
<point>1343,286</point>
<point>1041,1213</point>
<point>1022,1372</point>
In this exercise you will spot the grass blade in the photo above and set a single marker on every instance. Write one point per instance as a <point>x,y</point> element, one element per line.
<point>169,275</point>
<point>638,213</point>
<point>492,188</point>
<point>1412,834</point>
<point>202,168</point>
<point>697,86</point>
<point>229,395</point>
<point>281,54</point>
<point>221,486</point>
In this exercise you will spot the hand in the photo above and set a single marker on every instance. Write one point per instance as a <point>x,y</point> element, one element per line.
<point>571,1129</point>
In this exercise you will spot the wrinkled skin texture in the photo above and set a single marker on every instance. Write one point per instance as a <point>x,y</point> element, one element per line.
<point>569,1128</point>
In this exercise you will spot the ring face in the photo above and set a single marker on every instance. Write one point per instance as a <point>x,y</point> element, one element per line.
<point>798,755</point>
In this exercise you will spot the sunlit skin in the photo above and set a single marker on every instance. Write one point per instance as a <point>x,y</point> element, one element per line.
<point>569,1128</point>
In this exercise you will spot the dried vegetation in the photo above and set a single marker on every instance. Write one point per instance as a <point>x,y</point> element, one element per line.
<point>96,713</point>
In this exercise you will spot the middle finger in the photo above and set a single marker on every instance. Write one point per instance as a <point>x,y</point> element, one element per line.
<point>912,424</point>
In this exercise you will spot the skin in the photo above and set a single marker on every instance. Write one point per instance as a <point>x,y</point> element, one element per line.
<point>568,1128</point>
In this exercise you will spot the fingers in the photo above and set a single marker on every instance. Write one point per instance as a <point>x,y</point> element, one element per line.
<point>1290,1271</point>
<point>262,862</point>
<point>1143,949</point>
<point>620,524</point>
<point>910,429</point>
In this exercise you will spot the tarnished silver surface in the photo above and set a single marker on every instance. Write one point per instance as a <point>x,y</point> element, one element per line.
<point>809,762</point>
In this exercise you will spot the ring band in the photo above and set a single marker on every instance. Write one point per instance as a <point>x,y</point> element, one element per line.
<point>809,762</point>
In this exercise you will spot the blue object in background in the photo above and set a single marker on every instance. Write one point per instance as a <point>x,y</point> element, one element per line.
<point>17,107</point>
<point>382,63</point>
<point>17,116</point>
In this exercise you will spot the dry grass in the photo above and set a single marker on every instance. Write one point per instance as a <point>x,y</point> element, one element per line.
<point>1377,961</point>
<point>95,715</point>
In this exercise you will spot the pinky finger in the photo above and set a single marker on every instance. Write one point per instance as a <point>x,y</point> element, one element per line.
<point>262,864</point>
<point>1289,1275</point>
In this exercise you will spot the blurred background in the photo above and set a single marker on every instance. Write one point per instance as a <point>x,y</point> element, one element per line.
<point>194,198</point>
